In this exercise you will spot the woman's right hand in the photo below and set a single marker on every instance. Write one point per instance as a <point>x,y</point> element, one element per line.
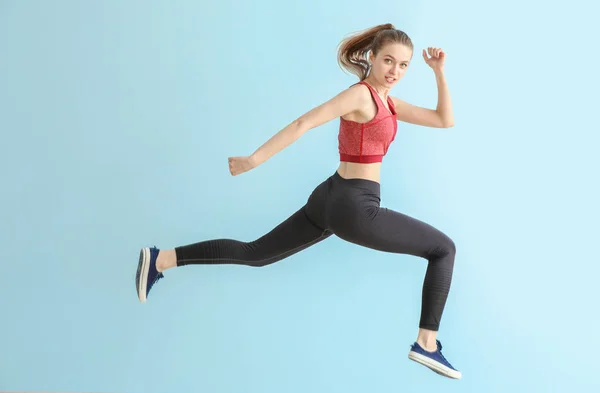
<point>239,165</point>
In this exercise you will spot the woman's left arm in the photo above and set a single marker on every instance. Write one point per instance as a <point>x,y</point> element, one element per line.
<point>442,116</point>
<point>444,105</point>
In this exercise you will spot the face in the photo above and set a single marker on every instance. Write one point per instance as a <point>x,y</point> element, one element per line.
<point>390,64</point>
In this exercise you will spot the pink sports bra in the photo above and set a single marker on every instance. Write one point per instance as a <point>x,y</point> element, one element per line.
<point>368,142</point>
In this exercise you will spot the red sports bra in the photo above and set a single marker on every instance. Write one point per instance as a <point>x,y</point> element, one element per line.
<point>368,142</point>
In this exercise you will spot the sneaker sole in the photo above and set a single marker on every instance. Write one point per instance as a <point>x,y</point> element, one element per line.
<point>435,366</point>
<point>141,276</point>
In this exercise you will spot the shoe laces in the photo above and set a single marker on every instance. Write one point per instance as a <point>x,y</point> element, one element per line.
<point>159,275</point>
<point>156,278</point>
<point>440,351</point>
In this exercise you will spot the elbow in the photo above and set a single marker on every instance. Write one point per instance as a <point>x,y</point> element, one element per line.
<point>444,124</point>
<point>447,123</point>
<point>300,126</point>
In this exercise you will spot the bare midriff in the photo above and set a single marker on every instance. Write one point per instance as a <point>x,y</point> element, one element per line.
<point>353,170</point>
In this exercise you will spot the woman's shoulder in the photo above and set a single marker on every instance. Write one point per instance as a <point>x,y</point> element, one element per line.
<point>360,92</point>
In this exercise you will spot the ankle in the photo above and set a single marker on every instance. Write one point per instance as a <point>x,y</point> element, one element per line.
<point>166,259</point>
<point>427,339</point>
<point>428,345</point>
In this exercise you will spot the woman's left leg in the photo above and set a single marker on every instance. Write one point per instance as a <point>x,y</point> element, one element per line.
<point>387,230</point>
<point>355,215</point>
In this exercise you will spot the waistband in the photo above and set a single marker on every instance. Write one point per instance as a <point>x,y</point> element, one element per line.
<point>356,182</point>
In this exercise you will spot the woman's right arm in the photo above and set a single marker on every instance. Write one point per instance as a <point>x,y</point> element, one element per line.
<point>345,102</point>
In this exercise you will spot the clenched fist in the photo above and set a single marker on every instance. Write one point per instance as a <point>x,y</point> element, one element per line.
<point>436,59</point>
<point>239,165</point>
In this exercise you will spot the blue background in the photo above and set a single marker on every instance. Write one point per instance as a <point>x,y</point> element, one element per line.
<point>117,118</point>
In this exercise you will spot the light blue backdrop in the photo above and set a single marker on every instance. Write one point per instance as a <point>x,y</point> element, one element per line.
<point>117,118</point>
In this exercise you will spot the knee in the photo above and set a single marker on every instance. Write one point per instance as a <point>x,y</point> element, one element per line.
<point>451,247</point>
<point>446,248</point>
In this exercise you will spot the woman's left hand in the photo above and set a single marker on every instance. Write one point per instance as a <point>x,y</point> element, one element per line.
<point>436,61</point>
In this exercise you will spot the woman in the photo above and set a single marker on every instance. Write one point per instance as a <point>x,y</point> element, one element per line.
<point>347,203</point>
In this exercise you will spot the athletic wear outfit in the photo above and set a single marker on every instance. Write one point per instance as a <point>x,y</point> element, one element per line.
<point>350,209</point>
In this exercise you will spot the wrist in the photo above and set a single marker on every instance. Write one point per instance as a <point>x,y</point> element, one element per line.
<point>253,160</point>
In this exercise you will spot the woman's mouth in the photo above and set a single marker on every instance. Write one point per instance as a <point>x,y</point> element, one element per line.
<point>390,79</point>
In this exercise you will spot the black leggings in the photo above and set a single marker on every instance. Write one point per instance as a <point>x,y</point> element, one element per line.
<point>348,208</point>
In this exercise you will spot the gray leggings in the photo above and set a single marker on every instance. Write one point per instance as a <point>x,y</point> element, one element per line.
<point>350,209</point>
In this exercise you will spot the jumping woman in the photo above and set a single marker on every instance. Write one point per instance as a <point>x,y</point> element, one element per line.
<point>347,203</point>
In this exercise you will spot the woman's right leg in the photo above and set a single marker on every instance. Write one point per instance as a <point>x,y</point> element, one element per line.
<point>293,235</point>
<point>299,231</point>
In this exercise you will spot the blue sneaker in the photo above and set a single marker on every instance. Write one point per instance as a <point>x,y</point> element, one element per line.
<point>147,275</point>
<point>434,360</point>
